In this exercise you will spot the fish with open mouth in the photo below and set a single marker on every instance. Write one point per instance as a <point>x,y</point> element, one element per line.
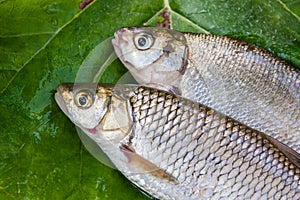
<point>174,148</point>
<point>238,79</point>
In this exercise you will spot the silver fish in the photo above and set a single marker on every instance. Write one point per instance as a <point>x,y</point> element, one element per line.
<point>238,79</point>
<point>173,148</point>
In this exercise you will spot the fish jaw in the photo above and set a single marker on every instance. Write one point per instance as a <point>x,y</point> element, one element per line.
<point>60,100</point>
<point>116,41</point>
<point>108,133</point>
<point>108,114</point>
<point>163,62</point>
<point>112,135</point>
<point>125,49</point>
<point>85,117</point>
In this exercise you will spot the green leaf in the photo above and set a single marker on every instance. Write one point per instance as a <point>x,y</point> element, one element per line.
<point>43,43</point>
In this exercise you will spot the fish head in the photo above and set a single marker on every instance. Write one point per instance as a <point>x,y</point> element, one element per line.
<point>85,106</point>
<point>153,55</point>
<point>99,113</point>
<point>102,121</point>
<point>105,116</point>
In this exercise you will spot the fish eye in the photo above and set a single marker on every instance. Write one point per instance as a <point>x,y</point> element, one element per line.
<point>143,41</point>
<point>83,99</point>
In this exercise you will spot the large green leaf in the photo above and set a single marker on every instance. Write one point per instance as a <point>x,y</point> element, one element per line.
<point>43,43</point>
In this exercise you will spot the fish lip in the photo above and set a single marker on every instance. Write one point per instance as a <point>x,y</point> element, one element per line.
<point>116,43</point>
<point>62,105</point>
<point>59,98</point>
<point>118,38</point>
<point>61,86</point>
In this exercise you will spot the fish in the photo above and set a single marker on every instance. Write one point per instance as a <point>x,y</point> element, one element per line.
<point>238,79</point>
<point>174,148</point>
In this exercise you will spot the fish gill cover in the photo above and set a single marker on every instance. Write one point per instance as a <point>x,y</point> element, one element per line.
<point>43,43</point>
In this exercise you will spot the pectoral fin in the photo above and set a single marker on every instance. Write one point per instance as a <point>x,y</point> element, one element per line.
<point>289,152</point>
<point>145,166</point>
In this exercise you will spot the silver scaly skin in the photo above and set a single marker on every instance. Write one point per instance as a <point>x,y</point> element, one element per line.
<point>173,148</point>
<point>238,79</point>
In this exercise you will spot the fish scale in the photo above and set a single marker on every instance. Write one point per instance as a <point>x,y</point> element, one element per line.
<point>256,154</point>
<point>279,73</point>
<point>238,79</point>
<point>174,148</point>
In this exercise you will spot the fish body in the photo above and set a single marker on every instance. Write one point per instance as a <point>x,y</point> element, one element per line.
<point>173,148</point>
<point>238,79</point>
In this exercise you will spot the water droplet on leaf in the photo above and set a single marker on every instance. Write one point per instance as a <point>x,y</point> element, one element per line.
<point>52,8</point>
<point>54,21</point>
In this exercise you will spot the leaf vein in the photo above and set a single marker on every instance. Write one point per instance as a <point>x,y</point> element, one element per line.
<point>42,48</point>
<point>288,10</point>
<point>26,35</point>
<point>190,22</point>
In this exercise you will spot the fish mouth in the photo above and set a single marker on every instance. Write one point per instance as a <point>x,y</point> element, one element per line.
<point>59,98</point>
<point>116,42</point>
<point>62,105</point>
<point>118,39</point>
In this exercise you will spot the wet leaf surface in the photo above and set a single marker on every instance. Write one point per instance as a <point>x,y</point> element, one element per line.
<point>43,43</point>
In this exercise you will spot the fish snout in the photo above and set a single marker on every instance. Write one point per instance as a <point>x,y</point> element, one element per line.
<point>58,96</point>
<point>122,30</point>
<point>60,88</point>
<point>120,41</point>
<point>64,87</point>
<point>119,37</point>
